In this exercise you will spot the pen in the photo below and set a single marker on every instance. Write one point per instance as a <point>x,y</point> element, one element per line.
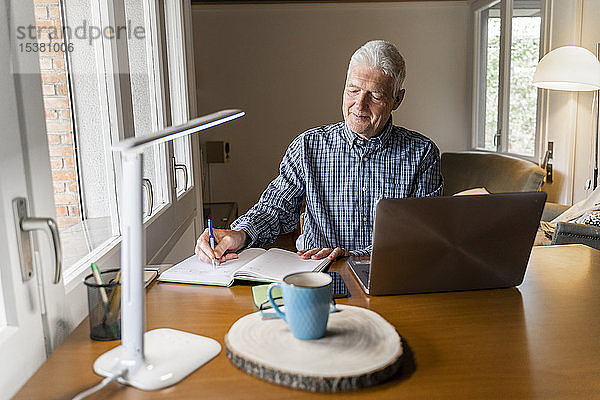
<point>211,240</point>
<point>114,305</point>
<point>99,281</point>
<point>114,302</point>
<point>106,306</point>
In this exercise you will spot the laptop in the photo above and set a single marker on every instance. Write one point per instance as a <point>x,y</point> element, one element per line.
<point>440,244</point>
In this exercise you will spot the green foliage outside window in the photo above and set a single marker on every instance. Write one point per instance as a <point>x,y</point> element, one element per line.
<point>523,96</point>
<point>492,70</point>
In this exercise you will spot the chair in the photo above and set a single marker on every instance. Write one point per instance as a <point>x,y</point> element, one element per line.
<point>495,172</point>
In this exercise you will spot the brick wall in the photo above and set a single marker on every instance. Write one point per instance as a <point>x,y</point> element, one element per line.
<point>58,116</point>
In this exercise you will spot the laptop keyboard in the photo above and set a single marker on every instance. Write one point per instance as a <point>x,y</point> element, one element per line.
<point>361,269</point>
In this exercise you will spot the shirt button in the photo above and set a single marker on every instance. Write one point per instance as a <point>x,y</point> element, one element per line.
<point>365,219</point>
<point>365,159</point>
<point>364,188</point>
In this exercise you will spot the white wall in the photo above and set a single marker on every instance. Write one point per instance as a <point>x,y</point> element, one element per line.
<point>569,116</point>
<point>590,35</point>
<point>285,65</point>
<point>184,247</point>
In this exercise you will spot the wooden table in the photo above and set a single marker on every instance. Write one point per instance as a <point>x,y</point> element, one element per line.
<point>541,340</point>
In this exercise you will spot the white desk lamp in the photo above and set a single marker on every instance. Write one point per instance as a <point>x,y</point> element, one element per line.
<point>571,68</point>
<point>160,357</point>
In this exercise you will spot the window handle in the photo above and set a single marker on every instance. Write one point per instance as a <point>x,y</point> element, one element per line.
<point>26,224</point>
<point>148,186</point>
<point>183,168</point>
<point>497,137</point>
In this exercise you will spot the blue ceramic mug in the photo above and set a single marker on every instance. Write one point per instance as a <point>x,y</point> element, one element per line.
<point>307,300</point>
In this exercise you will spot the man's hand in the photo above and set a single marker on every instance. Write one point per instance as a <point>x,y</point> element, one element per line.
<point>319,253</point>
<point>228,242</point>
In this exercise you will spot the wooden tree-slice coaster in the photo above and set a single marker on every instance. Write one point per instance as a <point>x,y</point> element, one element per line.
<point>359,349</point>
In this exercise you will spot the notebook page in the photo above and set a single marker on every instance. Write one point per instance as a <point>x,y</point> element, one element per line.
<point>275,264</point>
<point>192,270</point>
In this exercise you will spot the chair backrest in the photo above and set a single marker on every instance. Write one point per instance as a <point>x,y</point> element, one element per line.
<point>498,173</point>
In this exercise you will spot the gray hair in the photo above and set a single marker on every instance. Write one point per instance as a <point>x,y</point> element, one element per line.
<point>383,55</point>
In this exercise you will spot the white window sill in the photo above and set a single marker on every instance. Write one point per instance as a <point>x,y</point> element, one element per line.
<point>84,238</point>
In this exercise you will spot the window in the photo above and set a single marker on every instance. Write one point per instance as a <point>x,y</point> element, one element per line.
<point>148,100</point>
<point>178,85</point>
<point>95,128</point>
<point>61,140</point>
<point>115,81</point>
<point>97,89</point>
<point>507,47</point>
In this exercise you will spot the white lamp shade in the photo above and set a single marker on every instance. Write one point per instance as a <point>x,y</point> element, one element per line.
<point>568,68</point>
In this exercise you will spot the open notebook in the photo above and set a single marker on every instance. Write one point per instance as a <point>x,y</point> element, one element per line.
<point>253,264</point>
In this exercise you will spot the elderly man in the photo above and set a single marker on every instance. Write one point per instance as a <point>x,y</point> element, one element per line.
<point>341,170</point>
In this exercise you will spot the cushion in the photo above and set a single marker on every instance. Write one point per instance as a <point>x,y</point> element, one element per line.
<point>592,218</point>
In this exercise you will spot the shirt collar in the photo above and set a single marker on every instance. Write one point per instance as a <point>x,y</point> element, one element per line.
<point>381,139</point>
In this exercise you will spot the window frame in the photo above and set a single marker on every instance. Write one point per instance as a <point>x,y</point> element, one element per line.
<point>177,49</point>
<point>478,90</point>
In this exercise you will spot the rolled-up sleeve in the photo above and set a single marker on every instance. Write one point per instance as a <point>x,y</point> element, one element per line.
<point>365,251</point>
<point>428,180</point>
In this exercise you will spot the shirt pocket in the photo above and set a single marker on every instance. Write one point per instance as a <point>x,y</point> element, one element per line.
<point>393,188</point>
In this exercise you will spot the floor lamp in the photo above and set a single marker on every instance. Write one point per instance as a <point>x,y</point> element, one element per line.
<point>160,357</point>
<point>572,68</point>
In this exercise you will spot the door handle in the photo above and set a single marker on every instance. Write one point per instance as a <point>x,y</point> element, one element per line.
<point>148,186</point>
<point>25,224</point>
<point>183,168</point>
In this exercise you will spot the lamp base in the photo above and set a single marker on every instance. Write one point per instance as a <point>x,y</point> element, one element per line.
<point>170,356</point>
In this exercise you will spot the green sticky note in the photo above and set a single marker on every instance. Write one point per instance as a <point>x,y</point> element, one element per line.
<point>259,295</point>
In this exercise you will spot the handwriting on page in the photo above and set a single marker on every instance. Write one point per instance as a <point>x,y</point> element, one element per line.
<point>279,263</point>
<point>193,268</point>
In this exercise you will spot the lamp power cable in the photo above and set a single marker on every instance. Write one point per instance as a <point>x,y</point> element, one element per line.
<point>100,385</point>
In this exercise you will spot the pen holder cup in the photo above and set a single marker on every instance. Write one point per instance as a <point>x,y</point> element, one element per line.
<point>104,302</point>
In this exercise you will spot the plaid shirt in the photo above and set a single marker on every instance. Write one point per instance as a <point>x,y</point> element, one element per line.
<point>342,176</point>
